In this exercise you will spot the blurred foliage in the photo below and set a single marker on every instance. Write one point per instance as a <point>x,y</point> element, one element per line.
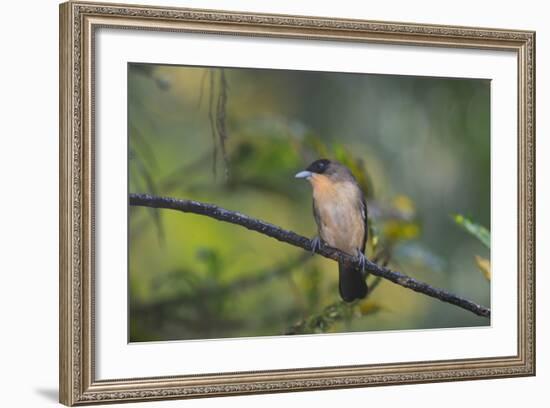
<point>484,266</point>
<point>483,235</point>
<point>419,148</point>
<point>337,312</point>
<point>478,231</point>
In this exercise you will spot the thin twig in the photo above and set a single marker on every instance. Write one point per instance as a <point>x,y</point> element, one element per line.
<point>290,237</point>
<point>221,120</point>
<point>201,87</point>
<point>212,123</point>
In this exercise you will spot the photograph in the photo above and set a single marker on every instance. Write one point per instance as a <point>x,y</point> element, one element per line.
<point>260,202</point>
<point>271,202</point>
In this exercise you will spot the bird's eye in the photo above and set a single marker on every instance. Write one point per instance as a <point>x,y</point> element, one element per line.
<point>318,166</point>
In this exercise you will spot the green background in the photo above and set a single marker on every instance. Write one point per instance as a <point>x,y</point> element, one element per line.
<point>419,146</point>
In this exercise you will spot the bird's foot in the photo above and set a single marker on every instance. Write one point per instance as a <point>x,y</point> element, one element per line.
<point>362,259</point>
<point>315,245</point>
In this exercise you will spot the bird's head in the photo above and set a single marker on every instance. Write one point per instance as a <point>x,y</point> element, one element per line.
<point>324,170</point>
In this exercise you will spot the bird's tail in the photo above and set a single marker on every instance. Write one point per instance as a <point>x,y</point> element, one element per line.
<point>352,284</point>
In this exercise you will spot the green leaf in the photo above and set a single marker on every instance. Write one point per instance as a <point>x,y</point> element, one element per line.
<point>369,307</point>
<point>396,230</point>
<point>478,231</point>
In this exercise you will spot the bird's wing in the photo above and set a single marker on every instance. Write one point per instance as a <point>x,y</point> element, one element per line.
<point>364,215</point>
<point>316,216</point>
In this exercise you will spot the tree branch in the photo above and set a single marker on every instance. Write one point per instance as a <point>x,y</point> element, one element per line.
<point>290,237</point>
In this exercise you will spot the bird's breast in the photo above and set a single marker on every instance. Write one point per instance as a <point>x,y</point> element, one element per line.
<point>339,215</point>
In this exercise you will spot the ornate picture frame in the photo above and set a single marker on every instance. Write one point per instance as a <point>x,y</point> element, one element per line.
<point>79,22</point>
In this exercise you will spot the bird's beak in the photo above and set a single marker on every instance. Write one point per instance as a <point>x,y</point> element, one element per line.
<point>304,174</point>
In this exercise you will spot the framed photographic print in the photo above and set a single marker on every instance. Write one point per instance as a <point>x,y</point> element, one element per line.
<point>258,203</point>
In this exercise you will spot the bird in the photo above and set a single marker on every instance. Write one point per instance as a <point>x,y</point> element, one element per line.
<point>340,212</point>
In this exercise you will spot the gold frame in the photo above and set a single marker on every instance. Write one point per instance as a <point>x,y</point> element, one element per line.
<point>78,22</point>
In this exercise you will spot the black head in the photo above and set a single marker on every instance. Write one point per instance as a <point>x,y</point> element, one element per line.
<point>319,166</point>
<point>327,168</point>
